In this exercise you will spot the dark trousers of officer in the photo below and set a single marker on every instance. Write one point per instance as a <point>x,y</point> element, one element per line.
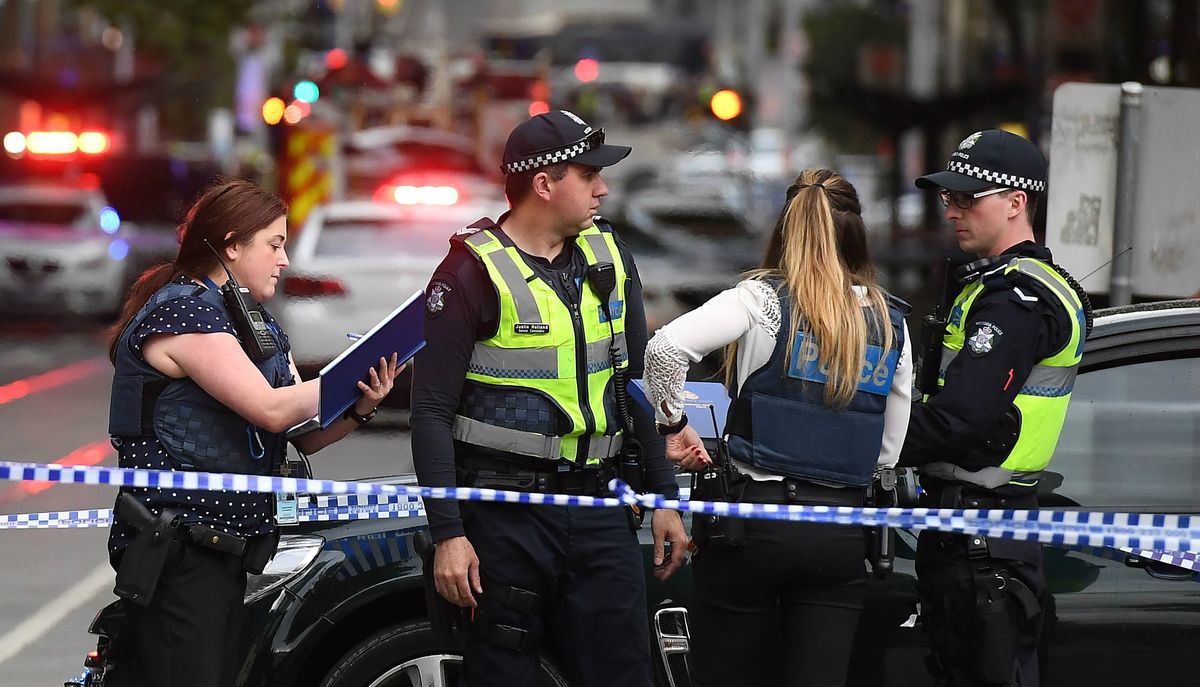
<point>586,566</point>
<point>983,636</point>
<point>188,636</point>
<point>781,609</point>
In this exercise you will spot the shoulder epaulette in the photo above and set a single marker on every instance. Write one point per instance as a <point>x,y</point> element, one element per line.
<point>472,228</point>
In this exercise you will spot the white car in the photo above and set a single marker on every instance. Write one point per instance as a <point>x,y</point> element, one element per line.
<point>62,250</point>
<point>354,262</point>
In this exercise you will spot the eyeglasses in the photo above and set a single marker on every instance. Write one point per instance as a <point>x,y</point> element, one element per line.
<point>593,140</point>
<point>966,201</point>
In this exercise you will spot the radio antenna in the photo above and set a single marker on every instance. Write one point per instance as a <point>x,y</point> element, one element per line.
<point>1106,264</point>
<point>229,274</point>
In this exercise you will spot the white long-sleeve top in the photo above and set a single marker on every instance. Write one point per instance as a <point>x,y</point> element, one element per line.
<point>749,313</point>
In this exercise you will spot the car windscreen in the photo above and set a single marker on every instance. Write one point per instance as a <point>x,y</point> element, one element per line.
<point>64,215</point>
<point>384,237</point>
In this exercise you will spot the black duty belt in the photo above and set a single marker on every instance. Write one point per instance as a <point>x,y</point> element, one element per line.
<point>212,538</point>
<point>567,479</point>
<point>942,494</point>
<point>799,491</point>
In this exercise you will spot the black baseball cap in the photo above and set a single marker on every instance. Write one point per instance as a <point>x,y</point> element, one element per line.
<point>987,159</point>
<point>557,136</point>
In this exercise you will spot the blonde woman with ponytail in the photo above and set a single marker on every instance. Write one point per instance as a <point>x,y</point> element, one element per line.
<point>819,369</point>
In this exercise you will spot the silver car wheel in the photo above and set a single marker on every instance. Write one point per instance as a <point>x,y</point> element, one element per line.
<point>425,671</point>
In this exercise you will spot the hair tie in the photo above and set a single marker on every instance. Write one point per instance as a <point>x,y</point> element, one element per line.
<point>817,184</point>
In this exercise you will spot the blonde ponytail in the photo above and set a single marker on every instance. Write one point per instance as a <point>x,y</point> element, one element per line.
<point>804,254</point>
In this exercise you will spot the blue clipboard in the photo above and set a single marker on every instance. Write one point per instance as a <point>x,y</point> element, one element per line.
<point>402,332</point>
<point>706,405</point>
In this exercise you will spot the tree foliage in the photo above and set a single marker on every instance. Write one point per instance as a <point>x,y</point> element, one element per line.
<point>190,41</point>
<point>837,33</point>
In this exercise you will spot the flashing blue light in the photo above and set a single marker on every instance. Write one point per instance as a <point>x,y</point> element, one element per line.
<point>118,249</point>
<point>306,91</point>
<point>110,221</point>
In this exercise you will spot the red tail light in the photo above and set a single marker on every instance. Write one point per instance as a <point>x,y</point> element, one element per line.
<point>313,286</point>
<point>408,194</point>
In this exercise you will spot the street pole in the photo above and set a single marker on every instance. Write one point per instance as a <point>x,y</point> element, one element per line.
<point>1121,282</point>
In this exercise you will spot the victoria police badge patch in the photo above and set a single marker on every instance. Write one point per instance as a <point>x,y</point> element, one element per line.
<point>969,141</point>
<point>435,297</point>
<point>984,338</point>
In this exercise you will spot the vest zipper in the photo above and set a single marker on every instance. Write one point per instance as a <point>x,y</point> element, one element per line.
<point>581,376</point>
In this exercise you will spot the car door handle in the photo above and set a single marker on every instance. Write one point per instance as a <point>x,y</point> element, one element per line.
<point>1158,569</point>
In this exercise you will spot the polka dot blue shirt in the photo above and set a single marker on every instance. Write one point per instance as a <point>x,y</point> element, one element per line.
<point>239,513</point>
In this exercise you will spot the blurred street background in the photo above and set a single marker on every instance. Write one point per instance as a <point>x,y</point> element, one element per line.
<point>381,122</point>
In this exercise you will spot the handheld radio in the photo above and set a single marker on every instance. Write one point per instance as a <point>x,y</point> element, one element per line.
<point>602,277</point>
<point>249,325</point>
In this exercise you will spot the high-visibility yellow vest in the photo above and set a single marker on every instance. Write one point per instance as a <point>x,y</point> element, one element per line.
<point>545,345</point>
<point>1045,394</point>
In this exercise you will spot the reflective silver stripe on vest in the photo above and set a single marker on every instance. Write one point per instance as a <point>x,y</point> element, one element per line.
<point>514,363</point>
<point>599,247</point>
<point>504,439</point>
<point>1043,380</point>
<point>1050,382</point>
<point>526,443</point>
<point>948,355</point>
<point>527,310</point>
<point>597,354</point>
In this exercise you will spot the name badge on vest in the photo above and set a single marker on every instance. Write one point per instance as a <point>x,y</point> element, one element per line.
<point>287,510</point>
<point>531,328</point>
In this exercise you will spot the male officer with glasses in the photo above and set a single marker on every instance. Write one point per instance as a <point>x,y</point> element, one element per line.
<point>991,417</point>
<point>534,322</point>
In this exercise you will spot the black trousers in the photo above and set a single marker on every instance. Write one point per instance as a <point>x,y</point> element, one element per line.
<point>188,636</point>
<point>974,643</point>
<point>781,609</point>
<point>586,566</point>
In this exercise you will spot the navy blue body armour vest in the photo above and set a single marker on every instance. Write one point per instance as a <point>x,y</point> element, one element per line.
<point>198,432</point>
<point>778,421</point>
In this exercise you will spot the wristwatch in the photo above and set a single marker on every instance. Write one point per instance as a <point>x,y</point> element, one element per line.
<point>672,429</point>
<point>360,419</point>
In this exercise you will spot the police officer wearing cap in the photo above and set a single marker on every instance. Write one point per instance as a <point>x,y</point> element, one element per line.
<point>534,323</point>
<point>996,383</point>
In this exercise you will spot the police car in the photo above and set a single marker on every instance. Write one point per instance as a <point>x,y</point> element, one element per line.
<point>353,262</point>
<point>63,250</point>
<point>343,603</point>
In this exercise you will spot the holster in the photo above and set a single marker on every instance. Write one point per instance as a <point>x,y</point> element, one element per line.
<point>259,551</point>
<point>881,540</point>
<point>447,621</point>
<point>142,563</point>
<point>630,467</point>
<point>722,482</point>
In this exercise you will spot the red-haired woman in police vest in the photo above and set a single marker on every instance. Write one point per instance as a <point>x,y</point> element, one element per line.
<point>191,392</point>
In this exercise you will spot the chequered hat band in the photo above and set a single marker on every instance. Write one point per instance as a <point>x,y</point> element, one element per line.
<point>549,158</point>
<point>997,178</point>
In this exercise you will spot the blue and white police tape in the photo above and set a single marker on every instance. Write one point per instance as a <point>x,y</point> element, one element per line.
<point>310,509</point>
<point>1135,531</point>
<point>356,507</point>
<point>1064,528</point>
